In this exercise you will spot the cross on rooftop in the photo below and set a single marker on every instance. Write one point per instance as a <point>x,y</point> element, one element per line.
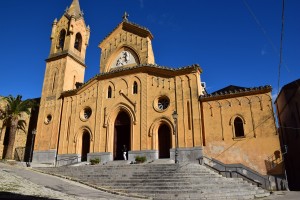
<point>125,16</point>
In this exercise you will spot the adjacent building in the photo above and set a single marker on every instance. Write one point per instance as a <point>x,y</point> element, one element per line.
<point>24,137</point>
<point>288,114</point>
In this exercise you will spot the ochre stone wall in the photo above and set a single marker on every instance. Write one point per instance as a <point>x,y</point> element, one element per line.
<point>261,138</point>
<point>142,109</point>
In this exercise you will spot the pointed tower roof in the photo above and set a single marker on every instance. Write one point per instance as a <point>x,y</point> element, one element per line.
<point>74,9</point>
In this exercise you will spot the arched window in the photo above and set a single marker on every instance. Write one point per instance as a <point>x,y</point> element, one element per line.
<point>53,82</point>
<point>78,42</point>
<point>109,92</point>
<point>61,41</point>
<point>74,82</point>
<point>239,127</point>
<point>135,87</point>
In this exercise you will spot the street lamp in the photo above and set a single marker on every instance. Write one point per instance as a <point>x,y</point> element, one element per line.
<point>33,132</point>
<point>175,117</point>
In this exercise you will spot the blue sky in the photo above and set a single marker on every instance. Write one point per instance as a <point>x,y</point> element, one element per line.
<point>236,42</point>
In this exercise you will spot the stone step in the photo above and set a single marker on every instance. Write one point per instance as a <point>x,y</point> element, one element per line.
<point>117,163</point>
<point>211,193</point>
<point>89,169</point>
<point>164,161</point>
<point>148,167</point>
<point>214,180</point>
<point>176,184</point>
<point>162,181</point>
<point>145,175</point>
<point>197,196</point>
<point>192,187</point>
<point>187,197</point>
<point>199,172</point>
<point>155,179</point>
<point>136,172</point>
<point>175,175</point>
<point>170,184</point>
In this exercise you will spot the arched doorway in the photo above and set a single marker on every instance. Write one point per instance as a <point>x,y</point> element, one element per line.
<point>164,141</point>
<point>121,135</point>
<point>85,145</point>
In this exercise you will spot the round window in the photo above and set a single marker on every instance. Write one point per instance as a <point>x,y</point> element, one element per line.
<point>48,119</point>
<point>162,103</point>
<point>86,113</point>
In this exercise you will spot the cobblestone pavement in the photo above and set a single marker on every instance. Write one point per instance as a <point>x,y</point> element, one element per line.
<point>21,183</point>
<point>13,186</point>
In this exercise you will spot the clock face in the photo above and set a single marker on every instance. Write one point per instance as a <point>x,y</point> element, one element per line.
<point>124,58</point>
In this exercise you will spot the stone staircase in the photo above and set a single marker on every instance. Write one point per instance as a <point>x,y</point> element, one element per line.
<point>162,181</point>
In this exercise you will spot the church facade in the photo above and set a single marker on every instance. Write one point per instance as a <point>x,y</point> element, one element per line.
<point>133,100</point>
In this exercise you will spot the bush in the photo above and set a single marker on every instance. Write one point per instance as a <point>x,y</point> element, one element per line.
<point>140,159</point>
<point>94,161</point>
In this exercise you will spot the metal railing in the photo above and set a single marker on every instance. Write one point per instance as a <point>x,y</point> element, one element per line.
<point>236,171</point>
<point>68,161</point>
<point>274,160</point>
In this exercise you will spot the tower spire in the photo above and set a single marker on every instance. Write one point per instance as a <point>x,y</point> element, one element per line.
<point>74,9</point>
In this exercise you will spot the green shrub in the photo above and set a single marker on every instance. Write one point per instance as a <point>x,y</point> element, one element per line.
<point>140,159</point>
<point>95,161</point>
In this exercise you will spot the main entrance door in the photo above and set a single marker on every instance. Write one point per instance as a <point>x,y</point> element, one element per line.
<point>85,145</point>
<point>164,141</point>
<point>121,135</point>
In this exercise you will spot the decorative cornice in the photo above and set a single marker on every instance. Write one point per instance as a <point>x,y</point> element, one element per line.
<point>147,68</point>
<point>126,23</point>
<point>236,92</point>
<point>63,54</point>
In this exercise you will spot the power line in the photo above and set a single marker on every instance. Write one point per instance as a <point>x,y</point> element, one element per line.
<point>286,127</point>
<point>269,39</point>
<point>281,41</point>
<point>260,26</point>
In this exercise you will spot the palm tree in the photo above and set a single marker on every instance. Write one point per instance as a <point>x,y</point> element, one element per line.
<point>11,116</point>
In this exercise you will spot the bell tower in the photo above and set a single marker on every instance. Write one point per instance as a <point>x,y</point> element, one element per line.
<point>64,67</point>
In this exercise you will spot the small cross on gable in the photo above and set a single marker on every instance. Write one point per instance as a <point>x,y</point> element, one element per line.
<point>125,16</point>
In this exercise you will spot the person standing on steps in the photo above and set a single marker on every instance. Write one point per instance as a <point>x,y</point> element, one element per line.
<point>124,150</point>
